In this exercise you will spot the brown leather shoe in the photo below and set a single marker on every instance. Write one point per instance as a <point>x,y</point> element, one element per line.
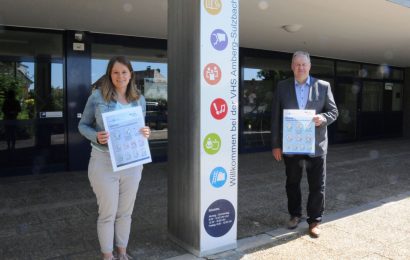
<point>293,222</point>
<point>314,230</point>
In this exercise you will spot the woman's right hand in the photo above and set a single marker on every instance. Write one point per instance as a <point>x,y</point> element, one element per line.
<point>102,137</point>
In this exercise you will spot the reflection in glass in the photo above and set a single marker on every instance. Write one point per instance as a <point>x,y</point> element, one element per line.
<point>19,43</point>
<point>32,130</point>
<point>397,97</point>
<point>346,101</point>
<point>349,69</point>
<point>153,85</point>
<point>15,82</point>
<point>11,108</point>
<point>151,73</point>
<point>376,72</point>
<point>260,79</point>
<point>372,98</point>
<point>322,67</point>
<point>397,74</point>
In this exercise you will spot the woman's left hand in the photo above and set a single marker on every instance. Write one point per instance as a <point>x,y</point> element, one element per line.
<point>145,131</point>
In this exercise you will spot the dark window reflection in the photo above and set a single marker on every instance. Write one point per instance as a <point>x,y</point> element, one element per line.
<point>322,67</point>
<point>154,85</point>
<point>348,69</point>
<point>260,79</point>
<point>31,118</point>
<point>372,98</point>
<point>346,96</point>
<point>396,96</point>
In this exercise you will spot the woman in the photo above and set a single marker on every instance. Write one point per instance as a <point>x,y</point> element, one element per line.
<point>115,191</point>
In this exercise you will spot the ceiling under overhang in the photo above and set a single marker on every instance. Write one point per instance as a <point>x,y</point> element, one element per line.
<point>374,31</point>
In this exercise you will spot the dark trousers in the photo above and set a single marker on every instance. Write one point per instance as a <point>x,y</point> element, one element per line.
<point>316,176</point>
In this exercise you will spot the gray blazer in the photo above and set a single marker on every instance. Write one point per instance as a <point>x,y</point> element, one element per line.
<point>320,99</point>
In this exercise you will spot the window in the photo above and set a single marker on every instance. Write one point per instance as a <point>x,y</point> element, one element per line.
<point>396,74</point>
<point>346,95</point>
<point>397,96</point>
<point>151,74</point>
<point>347,69</point>
<point>372,97</point>
<point>17,43</point>
<point>32,127</point>
<point>259,81</point>
<point>322,67</point>
<point>374,71</point>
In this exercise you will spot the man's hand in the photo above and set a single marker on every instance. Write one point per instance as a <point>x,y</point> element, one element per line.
<point>319,119</point>
<point>277,154</point>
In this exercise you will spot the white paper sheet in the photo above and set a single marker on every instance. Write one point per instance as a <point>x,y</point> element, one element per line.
<point>298,131</point>
<point>127,146</point>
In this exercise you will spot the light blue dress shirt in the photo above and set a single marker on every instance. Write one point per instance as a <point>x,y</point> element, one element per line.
<point>302,93</point>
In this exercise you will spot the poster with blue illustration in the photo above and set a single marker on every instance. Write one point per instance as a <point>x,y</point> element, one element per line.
<point>127,146</point>
<point>298,131</point>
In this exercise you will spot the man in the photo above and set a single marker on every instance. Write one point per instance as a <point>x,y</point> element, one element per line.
<point>304,92</point>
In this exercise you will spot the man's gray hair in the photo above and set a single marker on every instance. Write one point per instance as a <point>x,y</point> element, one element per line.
<point>301,53</point>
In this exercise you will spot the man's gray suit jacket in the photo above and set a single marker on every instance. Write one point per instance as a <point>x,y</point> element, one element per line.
<point>320,98</point>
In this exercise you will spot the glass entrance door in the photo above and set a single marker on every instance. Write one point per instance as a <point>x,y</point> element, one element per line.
<point>32,128</point>
<point>346,96</point>
<point>31,120</point>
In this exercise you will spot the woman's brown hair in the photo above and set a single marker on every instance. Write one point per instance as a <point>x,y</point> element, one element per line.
<point>108,89</point>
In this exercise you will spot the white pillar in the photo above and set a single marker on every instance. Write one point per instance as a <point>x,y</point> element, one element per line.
<point>203,65</point>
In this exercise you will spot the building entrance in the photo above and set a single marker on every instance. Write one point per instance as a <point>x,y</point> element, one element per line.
<point>32,128</point>
<point>32,136</point>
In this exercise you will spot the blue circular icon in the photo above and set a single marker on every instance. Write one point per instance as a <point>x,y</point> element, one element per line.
<point>218,177</point>
<point>219,218</point>
<point>219,39</point>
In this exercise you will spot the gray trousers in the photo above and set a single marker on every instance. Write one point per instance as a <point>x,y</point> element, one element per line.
<point>115,192</point>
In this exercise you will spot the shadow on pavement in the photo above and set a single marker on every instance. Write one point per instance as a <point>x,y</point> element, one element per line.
<point>54,216</point>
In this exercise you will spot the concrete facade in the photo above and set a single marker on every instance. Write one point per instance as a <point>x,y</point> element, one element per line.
<point>184,123</point>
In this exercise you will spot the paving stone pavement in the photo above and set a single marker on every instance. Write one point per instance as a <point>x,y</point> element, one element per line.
<point>53,216</point>
<point>377,230</point>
